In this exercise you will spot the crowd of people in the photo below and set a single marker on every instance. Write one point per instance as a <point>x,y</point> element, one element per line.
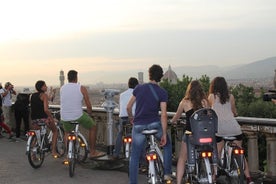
<point>139,105</point>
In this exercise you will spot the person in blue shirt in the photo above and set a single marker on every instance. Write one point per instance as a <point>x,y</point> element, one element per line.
<point>150,98</point>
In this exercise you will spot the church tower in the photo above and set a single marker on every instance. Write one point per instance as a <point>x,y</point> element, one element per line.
<point>61,77</point>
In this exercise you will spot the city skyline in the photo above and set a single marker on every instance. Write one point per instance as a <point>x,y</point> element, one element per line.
<point>38,39</point>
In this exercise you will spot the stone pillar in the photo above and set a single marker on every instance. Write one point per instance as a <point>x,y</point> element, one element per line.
<point>252,152</point>
<point>271,156</point>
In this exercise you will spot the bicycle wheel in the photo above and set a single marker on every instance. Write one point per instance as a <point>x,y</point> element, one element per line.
<point>61,148</point>
<point>72,160</point>
<point>204,171</point>
<point>82,151</point>
<point>237,170</point>
<point>35,154</point>
<point>159,169</point>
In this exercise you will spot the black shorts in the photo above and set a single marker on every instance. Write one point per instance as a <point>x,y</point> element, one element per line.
<point>238,138</point>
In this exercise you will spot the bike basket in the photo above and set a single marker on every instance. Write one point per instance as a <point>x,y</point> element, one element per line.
<point>204,126</point>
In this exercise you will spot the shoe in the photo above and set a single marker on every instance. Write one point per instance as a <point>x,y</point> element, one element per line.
<point>97,155</point>
<point>251,182</point>
<point>168,179</point>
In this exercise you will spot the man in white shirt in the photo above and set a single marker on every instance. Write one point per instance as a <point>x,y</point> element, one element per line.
<point>6,94</point>
<point>71,96</point>
<point>123,101</point>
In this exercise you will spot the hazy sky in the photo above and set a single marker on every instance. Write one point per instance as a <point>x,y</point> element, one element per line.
<point>40,38</point>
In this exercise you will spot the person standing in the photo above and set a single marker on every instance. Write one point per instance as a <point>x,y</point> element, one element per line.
<point>21,111</point>
<point>149,98</point>
<point>41,113</point>
<point>71,96</point>
<point>223,103</point>
<point>193,100</point>
<point>123,100</point>
<point>6,94</point>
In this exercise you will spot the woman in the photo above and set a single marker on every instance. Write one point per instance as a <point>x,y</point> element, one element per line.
<point>224,105</point>
<point>193,100</point>
<point>41,112</point>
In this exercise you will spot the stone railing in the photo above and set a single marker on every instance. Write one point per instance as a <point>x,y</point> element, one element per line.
<point>251,127</point>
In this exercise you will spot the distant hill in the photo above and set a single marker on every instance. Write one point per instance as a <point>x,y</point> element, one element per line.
<point>255,70</point>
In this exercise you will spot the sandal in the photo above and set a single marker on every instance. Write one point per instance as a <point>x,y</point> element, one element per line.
<point>97,155</point>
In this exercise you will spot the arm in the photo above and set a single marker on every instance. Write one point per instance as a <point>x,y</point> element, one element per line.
<point>164,119</point>
<point>129,108</point>
<point>44,98</point>
<point>211,100</point>
<point>178,113</point>
<point>233,105</point>
<point>86,100</point>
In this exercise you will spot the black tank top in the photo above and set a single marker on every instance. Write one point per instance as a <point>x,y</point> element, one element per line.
<point>37,107</point>
<point>188,115</point>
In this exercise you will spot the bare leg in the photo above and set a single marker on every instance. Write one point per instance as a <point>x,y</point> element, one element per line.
<point>181,162</point>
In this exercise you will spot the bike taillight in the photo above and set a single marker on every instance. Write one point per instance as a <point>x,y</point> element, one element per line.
<point>151,156</point>
<point>238,151</point>
<point>127,140</point>
<point>71,137</point>
<point>31,133</point>
<point>206,154</point>
<point>205,140</point>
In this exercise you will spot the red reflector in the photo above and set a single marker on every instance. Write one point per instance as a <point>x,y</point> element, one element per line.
<point>127,140</point>
<point>71,137</point>
<point>31,133</point>
<point>205,140</point>
<point>151,156</point>
<point>238,151</point>
<point>206,154</point>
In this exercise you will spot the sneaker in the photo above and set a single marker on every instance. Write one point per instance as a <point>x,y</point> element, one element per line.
<point>251,182</point>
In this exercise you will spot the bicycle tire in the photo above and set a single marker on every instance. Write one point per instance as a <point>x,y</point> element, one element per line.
<point>82,151</point>
<point>60,148</point>
<point>35,155</point>
<point>72,161</point>
<point>159,169</point>
<point>204,171</point>
<point>236,170</point>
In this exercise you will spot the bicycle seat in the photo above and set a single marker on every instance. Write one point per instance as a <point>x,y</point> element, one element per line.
<point>229,138</point>
<point>149,132</point>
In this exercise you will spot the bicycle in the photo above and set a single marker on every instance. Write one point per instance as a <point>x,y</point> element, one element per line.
<point>201,147</point>
<point>127,139</point>
<point>154,157</point>
<point>39,142</point>
<point>77,148</point>
<point>232,161</point>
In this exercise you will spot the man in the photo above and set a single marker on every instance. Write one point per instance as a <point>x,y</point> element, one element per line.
<point>71,96</point>
<point>6,94</point>
<point>149,98</point>
<point>124,98</point>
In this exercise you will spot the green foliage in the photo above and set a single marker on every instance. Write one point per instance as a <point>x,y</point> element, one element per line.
<point>177,91</point>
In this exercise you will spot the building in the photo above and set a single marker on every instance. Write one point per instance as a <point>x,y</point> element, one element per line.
<point>170,75</point>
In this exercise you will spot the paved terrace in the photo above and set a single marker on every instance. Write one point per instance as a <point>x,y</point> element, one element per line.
<point>14,161</point>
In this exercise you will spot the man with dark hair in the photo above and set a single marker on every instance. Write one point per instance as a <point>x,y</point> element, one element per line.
<point>149,99</point>
<point>71,96</point>
<point>124,98</point>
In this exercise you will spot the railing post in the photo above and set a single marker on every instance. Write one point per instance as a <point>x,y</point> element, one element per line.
<point>252,151</point>
<point>271,156</point>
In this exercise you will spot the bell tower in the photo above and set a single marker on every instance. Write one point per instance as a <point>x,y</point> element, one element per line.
<point>61,77</point>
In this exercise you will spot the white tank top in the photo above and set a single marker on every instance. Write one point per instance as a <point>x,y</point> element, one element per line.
<point>71,101</point>
<point>227,124</point>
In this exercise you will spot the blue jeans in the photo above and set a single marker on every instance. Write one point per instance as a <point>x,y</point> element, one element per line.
<point>119,138</point>
<point>138,144</point>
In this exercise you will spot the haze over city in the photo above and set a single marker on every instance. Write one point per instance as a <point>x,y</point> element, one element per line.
<point>40,38</point>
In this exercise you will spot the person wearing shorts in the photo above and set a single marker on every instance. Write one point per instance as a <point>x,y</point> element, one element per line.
<point>72,95</point>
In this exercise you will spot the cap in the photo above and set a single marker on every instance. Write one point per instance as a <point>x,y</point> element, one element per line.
<point>26,91</point>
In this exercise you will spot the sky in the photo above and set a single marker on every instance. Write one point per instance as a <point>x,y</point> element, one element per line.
<point>38,39</point>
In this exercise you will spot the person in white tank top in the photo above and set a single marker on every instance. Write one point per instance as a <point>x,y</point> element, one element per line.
<point>223,104</point>
<point>72,95</point>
